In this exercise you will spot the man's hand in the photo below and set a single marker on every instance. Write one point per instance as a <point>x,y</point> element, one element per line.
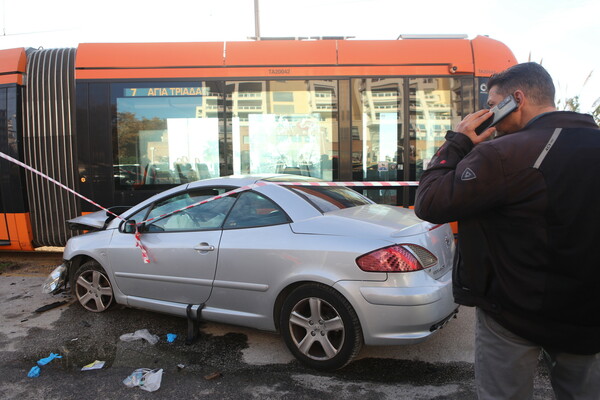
<point>470,122</point>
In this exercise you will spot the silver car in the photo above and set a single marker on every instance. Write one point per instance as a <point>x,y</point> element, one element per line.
<point>323,265</point>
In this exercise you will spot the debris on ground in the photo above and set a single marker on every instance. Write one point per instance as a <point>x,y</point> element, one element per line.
<point>95,365</point>
<point>50,306</point>
<point>212,376</point>
<point>140,334</point>
<point>145,378</point>
<point>46,360</point>
<point>34,372</point>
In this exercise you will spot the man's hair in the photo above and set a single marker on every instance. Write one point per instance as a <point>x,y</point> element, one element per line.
<point>531,78</point>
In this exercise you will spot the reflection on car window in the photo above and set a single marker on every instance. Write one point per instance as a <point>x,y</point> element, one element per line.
<point>252,210</point>
<point>203,217</point>
<point>331,198</point>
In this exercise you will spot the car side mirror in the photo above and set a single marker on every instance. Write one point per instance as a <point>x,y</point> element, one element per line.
<point>129,226</point>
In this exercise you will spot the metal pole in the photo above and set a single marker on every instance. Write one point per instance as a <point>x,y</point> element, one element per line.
<point>256,21</point>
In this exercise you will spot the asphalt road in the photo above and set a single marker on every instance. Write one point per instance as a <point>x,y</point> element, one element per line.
<point>226,362</point>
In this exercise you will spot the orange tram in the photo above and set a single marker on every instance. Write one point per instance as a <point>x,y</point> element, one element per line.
<point>120,122</point>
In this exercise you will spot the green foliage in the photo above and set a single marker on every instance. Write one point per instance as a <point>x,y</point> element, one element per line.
<point>129,129</point>
<point>572,104</point>
<point>5,266</point>
<point>596,112</point>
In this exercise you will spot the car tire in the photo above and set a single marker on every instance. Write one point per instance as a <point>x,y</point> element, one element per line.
<point>320,327</point>
<point>92,287</point>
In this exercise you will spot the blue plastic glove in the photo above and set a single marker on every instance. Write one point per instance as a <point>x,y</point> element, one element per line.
<point>34,372</point>
<point>46,360</point>
<point>171,337</point>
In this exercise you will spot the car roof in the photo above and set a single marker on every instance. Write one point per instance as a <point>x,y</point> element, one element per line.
<point>230,180</point>
<point>244,180</point>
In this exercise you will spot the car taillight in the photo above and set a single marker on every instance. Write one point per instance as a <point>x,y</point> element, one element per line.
<point>397,258</point>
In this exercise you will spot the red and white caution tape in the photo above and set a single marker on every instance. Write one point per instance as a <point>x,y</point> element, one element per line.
<point>138,240</point>
<point>35,171</point>
<point>263,183</point>
<point>352,184</point>
<point>138,236</point>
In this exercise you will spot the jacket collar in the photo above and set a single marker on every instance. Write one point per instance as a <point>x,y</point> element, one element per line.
<point>562,119</point>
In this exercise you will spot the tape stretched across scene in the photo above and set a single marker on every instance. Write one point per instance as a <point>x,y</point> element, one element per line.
<point>138,236</point>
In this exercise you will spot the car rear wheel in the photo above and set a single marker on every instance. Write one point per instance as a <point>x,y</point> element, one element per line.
<point>92,287</point>
<point>320,327</point>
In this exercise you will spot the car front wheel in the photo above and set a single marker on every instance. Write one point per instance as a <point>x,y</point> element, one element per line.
<point>320,327</point>
<point>92,287</point>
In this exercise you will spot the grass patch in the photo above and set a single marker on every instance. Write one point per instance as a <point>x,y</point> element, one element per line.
<point>6,266</point>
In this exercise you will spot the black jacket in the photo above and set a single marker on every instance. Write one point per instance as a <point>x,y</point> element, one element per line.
<point>528,212</point>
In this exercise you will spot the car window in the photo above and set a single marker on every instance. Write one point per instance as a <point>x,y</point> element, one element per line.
<point>252,210</point>
<point>331,198</point>
<point>202,217</point>
<point>139,216</point>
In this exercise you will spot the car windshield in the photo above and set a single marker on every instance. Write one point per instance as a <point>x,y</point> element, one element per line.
<point>331,198</point>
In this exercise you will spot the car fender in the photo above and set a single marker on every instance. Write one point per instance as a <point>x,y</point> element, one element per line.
<point>91,246</point>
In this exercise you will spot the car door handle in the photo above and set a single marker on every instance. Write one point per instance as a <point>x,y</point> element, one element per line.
<point>204,247</point>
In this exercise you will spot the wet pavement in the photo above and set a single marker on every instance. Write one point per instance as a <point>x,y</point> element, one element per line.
<point>226,362</point>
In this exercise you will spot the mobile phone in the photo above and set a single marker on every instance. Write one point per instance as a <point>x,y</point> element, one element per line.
<point>500,110</point>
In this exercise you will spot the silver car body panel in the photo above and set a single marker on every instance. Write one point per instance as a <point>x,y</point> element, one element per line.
<point>371,220</point>
<point>284,260</point>
<point>385,320</point>
<point>186,280</point>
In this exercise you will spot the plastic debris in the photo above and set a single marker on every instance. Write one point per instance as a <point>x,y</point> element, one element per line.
<point>212,376</point>
<point>180,367</point>
<point>95,365</point>
<point>34,372</point>
<point>147,379</point>
<point>46,360</point>
<point>140,334</point>
<point>171,337</point>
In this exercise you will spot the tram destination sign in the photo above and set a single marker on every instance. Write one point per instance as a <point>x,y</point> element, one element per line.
<point>165,91</point>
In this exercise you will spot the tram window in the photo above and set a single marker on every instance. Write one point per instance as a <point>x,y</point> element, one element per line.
<point>378,134</point>
<point>166,134</point>
<point>439,107</point>
<point>400,123</point>
<point>283,126</point>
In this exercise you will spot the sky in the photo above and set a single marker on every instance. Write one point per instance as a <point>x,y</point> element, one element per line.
<point>562,36</point>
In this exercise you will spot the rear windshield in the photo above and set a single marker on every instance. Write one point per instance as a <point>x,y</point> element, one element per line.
<point>330,198</point>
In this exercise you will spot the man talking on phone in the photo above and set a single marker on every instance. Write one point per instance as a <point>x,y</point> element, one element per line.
<point>528,210</point>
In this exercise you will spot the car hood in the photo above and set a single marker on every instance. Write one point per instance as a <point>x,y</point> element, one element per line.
<point>94,221</point>
<point>375,219</point>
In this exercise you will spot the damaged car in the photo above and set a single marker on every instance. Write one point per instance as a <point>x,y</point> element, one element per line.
<point>321,264</point>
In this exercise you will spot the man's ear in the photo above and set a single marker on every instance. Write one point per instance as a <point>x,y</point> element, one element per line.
<point>519,97</point>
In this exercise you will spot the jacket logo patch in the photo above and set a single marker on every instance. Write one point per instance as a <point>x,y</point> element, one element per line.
<point>467,175</point>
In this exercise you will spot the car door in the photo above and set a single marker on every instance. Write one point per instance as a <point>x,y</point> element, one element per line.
<point>256,246</point>
<point>182,248</point>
